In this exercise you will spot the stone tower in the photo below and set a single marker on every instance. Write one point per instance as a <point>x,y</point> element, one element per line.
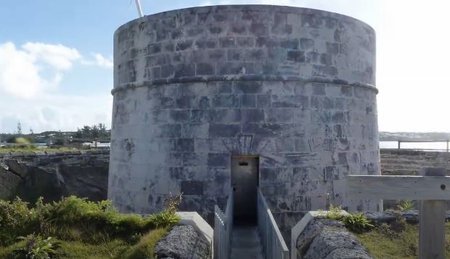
<point>201,94</point>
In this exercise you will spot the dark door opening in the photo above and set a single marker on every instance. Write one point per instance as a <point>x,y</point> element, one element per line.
<point>244,180</point>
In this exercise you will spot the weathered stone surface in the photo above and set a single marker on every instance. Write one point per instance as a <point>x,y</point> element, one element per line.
<point>331,242</point>
<point>410,162</point>
<point>183,242</point>
<point>312,231</point>
<point>293,86</point>
<point>380,217</point>
<point>53,176</point>
<point>8,183</point>
<point>324,238</point>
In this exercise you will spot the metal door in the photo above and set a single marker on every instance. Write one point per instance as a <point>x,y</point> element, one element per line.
<point>244,179</point>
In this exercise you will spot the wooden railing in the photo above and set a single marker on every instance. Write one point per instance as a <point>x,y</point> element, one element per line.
<point>399,144</point>
<point>223,227</point>
<point>273,243</point>
<point>430,189</point>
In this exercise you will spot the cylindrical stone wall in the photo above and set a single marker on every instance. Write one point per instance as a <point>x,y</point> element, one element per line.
<point>192,87</point>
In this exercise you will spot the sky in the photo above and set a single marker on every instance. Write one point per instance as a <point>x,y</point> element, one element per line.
<point>56,62</point>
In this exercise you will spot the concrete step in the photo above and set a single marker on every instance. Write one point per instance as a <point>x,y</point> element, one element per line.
<point>246,255</point>
<point>245,243</point>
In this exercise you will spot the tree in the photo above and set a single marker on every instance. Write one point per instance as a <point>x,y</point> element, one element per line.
<point>19,128</point>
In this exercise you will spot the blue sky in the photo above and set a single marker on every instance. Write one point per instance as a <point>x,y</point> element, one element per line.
<point>56,58</point>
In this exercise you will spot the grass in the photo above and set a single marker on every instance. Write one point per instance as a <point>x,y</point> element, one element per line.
<point>115,249</point>
<point>387,244</point>
<point>35,150</point>
<point>78,228</point>
<point>146,246</point>
<point>76,249</point>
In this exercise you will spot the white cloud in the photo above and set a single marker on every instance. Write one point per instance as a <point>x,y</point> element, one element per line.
<point>99,60</point>
<point>57,56</point>
<point>30,75</point>
<point>55,112</point>
<point>102,61</point>
<point>34,67</point>
<point>19,76</point>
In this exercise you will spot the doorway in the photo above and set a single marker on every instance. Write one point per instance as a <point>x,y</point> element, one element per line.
<point>244,180</point>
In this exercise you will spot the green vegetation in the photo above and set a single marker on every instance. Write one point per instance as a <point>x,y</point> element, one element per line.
<point>405,205</point>
<point>18,139</point>
<point>36,247</point>
<point>398,239</point>
<point>384,242</point>
<point>77,228</point>
<point>355,222</point>
<point>146,245</point>
<point>93,132</point>
<point>30,149</point>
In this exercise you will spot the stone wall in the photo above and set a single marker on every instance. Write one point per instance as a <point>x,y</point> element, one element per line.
<point>193,87</point>
<point>52,176</point>
<point>81,171</point>
<point>325,238</point>
<point>411,162</point>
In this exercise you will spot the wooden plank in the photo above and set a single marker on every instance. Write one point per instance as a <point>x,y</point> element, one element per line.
<point>406,187</point>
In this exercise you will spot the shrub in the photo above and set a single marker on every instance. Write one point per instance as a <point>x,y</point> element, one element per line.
<point>15,219</point>
<point>35,247</point>
<point>85,223</point>
<point>405,205</point>
<point>335,213</point>
<point>167,217</point>
<point>74,218</point>
<point>399,224</point>
<point>357,222</point>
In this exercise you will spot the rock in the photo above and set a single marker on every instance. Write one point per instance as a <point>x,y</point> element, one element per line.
<point>183,242</point>
<point>8,183</point>
<point>313,229</point>
<point>18,168</point>
<point>334,243</point>
<point>326,238</point>
<point>53,176</point>
<point>388,216</point>
<point>411,216</point>
<point>85,180</point>
<point>379,218</point>
<point>41,181</point>
<point>341,253</point>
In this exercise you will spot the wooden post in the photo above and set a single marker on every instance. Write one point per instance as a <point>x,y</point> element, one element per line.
<point>432,222</point>
<point>398,144</point>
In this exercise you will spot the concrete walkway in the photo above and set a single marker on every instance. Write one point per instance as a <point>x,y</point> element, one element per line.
<point>246,243</point>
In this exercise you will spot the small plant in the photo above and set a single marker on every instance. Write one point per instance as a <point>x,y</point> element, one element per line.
<point>399,224</point>
<point>334,212</point>
<point>405,205</point>
<point>357,222</point>
<point>168,216</point>
<point>386,230</point>
<point>145,248</point>
<point>35,247</point>
<point>15,217</point>
<point>172,202</point>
